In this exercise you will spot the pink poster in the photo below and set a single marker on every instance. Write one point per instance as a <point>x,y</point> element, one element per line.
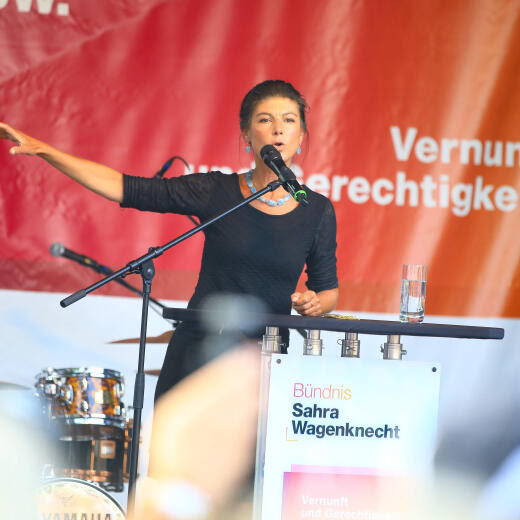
<point>324,492</point>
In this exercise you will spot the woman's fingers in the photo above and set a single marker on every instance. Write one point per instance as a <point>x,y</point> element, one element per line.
<point>25,144</point>
<point>307,303</point>
<point>6,132</point>
<point>15,150</point>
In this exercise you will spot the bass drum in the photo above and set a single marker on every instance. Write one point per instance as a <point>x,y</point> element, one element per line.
<point>100,461</point>
<point>70,498</point>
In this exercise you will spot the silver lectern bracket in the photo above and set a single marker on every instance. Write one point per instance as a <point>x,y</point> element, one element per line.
<point>393,348</point>
<point>313,344</point>
<point>272,341</point>
<point>350,346</point>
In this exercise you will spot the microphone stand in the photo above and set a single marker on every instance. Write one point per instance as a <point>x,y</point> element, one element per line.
<point>101,269</point>
<point>144,266</point>
<point>104,270</point>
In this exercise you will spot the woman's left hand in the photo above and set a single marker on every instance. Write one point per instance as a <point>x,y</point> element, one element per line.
<point>307,303</point>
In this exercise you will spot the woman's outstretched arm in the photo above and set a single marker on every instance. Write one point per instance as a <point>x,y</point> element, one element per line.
<point>98,178</point>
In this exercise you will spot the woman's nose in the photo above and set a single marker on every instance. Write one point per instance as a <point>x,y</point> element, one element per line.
<point>277,127</point>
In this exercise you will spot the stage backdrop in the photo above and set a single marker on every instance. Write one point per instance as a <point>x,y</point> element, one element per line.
<point>414,136</point>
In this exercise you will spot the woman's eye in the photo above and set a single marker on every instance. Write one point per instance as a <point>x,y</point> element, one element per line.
<point>290,120</point>
<point>264,120</point>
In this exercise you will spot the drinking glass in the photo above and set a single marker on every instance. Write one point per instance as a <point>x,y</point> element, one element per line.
<point>413,293</point>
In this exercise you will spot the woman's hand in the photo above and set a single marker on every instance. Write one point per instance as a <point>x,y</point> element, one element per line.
<point>307,303</point>
<point>26,144</point>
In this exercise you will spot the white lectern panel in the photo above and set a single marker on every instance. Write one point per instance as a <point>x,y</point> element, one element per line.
<point>347,438</point>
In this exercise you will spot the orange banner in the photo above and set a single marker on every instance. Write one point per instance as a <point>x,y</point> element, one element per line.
<point>414,134</point>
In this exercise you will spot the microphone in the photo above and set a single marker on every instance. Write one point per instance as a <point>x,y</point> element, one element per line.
<point>272,158</point>
<point>58,249</point>
<point>167,164</point>
<point>163,169</point>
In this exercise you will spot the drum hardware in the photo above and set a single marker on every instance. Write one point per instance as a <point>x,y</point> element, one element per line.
<point>66,394</point>
<point>120,390</point>
<point>50,389</point>
<point>55,386</point>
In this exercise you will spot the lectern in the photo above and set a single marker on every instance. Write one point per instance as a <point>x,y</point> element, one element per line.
<point>344,437</point>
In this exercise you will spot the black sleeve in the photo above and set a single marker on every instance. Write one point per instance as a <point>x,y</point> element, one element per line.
<point>321,262</point>
<point>187,195</point>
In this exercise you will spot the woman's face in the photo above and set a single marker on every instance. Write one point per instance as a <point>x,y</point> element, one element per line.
<point>276,121</point>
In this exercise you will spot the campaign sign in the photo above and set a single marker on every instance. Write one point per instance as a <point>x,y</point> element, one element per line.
<point>347,438</point>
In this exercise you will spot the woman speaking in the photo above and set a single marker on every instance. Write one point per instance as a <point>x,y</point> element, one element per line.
<point>259,250</point>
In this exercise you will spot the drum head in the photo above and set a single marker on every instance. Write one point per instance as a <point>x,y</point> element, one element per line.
<point>72,498</point>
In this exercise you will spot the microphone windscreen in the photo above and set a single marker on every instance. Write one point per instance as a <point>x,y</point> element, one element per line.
<point>269,152</point>
<point>57,249</point>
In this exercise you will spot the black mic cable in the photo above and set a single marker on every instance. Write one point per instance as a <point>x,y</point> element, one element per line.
<point>273,159</point>
<point>162,171</point>
<point>58,249</point>
<point>167,164</point>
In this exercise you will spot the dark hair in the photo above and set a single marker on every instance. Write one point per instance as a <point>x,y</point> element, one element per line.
<point>268,89</point>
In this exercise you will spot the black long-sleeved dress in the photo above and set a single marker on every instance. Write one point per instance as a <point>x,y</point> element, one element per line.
<point>246,252</point>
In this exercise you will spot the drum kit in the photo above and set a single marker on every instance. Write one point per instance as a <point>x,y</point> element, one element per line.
<point>87,416</point>
<point>91,434</point>
<point>88,419</point>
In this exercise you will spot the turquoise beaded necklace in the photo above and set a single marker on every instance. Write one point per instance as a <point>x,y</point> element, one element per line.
<point>279,202</point>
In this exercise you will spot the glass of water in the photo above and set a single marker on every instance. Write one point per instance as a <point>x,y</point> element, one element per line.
<point>413,293</point>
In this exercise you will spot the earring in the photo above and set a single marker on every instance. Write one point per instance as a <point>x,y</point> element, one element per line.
<point>248,149</point>
<point>299,151</point>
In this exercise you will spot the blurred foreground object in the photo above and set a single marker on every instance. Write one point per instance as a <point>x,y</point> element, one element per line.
<point>203,441</point>
<point>24,451</point>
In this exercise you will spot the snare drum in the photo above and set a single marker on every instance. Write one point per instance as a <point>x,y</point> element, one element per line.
<point>70,498</point>
<point>84,402</point>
